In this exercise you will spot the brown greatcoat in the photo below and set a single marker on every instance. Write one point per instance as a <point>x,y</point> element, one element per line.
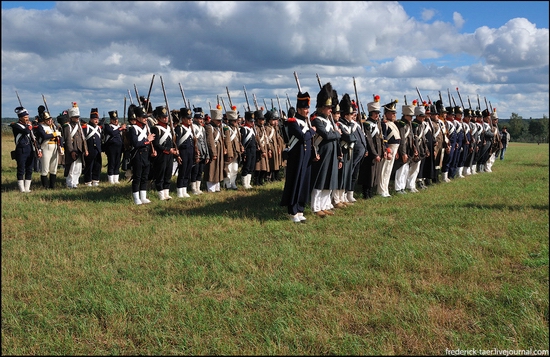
<point>262,163</point>
<point>232,140</point>
<point>74,143</point>
<point>213,171</point>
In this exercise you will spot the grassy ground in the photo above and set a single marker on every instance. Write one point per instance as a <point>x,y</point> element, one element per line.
<point>462,265</point>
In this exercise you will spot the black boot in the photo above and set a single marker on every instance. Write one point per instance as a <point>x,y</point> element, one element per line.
<point>52,180</point>
<point>44,180</point>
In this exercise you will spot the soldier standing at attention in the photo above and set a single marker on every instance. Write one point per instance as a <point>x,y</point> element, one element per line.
<point>234,149</point>
<point>198,167</point>
<point>297,190</point>
<point>24,149</point>
<point>392,138</point>
<point>165,149</point>
<point>248,136</point>
<point>371,167</point>
<point>113,146</point>
<point>50,143</point>
<point>142,140</point>
<point>324,172</point>
<point>187,151</point>
<point>213,171</point>
<point>93,161</point>
<point>76,147</point>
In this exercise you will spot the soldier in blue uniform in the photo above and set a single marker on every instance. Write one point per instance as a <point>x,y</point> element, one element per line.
<point>450,150</point>
<point>25,149</point>
<point>142,140</point>
<point>407,148</point>
<point>324,172</point>
<point>296,192</point>
<point>371,167</point>
<point>113,145</point>
<point>93,161</point>
<point>165,149</point>
<point>187,151</point>
<point>347,143</point>
<point>249,143</point>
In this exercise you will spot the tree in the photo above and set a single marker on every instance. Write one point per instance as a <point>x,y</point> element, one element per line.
<point>516,126</point>
<point>536,128</point>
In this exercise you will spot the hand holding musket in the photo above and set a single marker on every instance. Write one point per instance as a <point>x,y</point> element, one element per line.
<point>57,139</point>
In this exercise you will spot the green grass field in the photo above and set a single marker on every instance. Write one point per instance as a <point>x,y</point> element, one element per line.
<point>462,265</point>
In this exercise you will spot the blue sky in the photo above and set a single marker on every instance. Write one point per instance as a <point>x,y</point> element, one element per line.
<point>93,52</point>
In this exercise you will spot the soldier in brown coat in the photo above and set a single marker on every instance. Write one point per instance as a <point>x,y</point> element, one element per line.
<point>75,147</point>
<point>213,171</point>
<point>232,136</point>
<point>261,168</point>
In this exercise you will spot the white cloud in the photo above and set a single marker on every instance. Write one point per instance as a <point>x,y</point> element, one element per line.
<point>91,51</point>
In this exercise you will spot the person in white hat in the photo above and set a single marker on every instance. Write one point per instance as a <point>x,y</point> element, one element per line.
<point>75,147</point>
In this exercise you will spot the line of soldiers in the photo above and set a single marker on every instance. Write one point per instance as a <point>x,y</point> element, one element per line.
<point>331,151</point>
<point>324,155</point>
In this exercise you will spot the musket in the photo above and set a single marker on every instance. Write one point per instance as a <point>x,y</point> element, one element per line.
<point>288,101</point>
<point>246,97</point>
<point>57,139</point>
<point>225,110</point>
<point>469,103</point>
<point>183,95</point>
<point>297,83</point>
<point>478,103</point>
<point>189,104</point>
<point>255,101</point>
<point>265,105</point>
<point>319,81</point>
<point>460,97</point>
<point>356,96</point>
<point>449,94</point>
<point>195,141</point>
<point>130,96</point>
<point>419,95</point>
<point>272,106</point>
<point>491,106</point>
<point>149,93</point>
<point>280,109</point>
<point>440,98</point>
<point>229,97</point>
<point>137,97</point>
<point>405,99</point>
<point>33,138</point>
<point>454,103</point>
<point>124,114</point>
<point>210,105</point>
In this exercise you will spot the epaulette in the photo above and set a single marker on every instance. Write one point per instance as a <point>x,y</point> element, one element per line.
<point>84,126</point>
<point>65,125</point>
<point>225,128</point>
<point>401,123</point>
<point>367,124</point>
<point>414,124</point>
<point>291,119</point>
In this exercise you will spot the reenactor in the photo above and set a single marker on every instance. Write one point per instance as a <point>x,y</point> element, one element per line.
<point>342,115</point>
<point>359,150</point>
<point>324,172</point>
<point>392,141</point>
<point>76,147</point>
<point>261,169</point>
<point>450,150</point>
<point>26,148</point>
<point>469,140</point>
<point>165,148</point>
<point>142,150</point>
<point>422,151</point>
<point>248,137</point>
<point>371,167</point>
<point>300,151</point>
<point>275,143</point>
<point>50,143</point>
<point>188,152</point>
<point>214,169</point>
<point>459,147</point>
<point>92,161</point>
<point>233,140</point>
<point>113,145</point>
<point>407,149</point>
<point>198,168</point>
<point>428,174</point>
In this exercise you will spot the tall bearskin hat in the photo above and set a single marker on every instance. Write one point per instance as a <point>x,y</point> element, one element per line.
<point>345,105</point>
<point>325,96</point>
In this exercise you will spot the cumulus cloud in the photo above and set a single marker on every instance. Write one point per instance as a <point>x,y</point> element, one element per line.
<point>93,52</point>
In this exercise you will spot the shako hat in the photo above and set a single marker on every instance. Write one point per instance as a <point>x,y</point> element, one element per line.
<point>199,114</point>
<point>185,113</point>
<point>160,112</point>
<point>391,106</point>
<point>303,100</point>
<point>216,114</point>
<point>375,105</point>
<point>94,113</point>
<point>113,115</point>
<point>21,112</point>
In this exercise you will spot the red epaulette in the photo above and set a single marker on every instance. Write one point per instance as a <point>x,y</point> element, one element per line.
<point>291,119</point>
<point>84,126</point>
